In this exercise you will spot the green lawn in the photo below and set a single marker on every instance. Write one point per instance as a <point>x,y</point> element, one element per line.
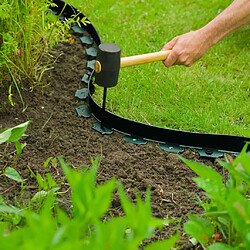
<point>211,96</point>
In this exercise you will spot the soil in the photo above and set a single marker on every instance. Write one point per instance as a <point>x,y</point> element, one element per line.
<point>57,130</point>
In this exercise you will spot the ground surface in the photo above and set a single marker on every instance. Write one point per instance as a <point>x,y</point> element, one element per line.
<point>57,130</point>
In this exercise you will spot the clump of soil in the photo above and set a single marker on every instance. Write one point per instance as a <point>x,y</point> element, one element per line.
<point>57,130</point>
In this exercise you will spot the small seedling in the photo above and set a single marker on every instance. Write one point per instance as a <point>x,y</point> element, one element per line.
<point>9,135</point>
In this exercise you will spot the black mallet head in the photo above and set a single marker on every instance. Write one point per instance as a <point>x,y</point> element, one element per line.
<point>107,65</point>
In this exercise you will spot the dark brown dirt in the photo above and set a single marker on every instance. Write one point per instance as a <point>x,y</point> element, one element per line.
<point>57,130</point>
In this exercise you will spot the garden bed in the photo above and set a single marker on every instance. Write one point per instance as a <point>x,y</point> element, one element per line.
<point>57,130</point>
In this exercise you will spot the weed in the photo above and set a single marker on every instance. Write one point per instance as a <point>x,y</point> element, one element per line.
<point>83,228</point>
<point>9,135</point>
<point>226,221</point>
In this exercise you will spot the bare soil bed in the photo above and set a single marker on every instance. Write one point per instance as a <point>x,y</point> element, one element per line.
<point>57,130</point>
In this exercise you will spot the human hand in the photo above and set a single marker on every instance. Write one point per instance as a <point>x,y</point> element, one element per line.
<point>186,48</point>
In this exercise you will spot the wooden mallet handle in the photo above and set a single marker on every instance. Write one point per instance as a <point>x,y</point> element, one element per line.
<point>139,59</point>
<point>144,58</point>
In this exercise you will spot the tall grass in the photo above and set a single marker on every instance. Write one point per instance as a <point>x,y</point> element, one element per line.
<point>27,32</point>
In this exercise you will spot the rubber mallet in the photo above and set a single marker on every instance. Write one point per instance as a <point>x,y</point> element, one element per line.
<point>109,62</point>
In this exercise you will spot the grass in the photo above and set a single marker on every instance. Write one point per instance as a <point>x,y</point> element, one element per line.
<point>211,96</point>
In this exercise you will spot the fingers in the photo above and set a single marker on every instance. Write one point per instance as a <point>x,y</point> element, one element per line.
<point>186,48</point>
<point>176,58</point>
<point>171,59</point>
<point>177,55</point>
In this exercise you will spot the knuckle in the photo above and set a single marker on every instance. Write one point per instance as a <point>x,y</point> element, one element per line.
<point>188,63</point>
<point>167,65</point>
<point>176,53</point>
<point>183,60</point>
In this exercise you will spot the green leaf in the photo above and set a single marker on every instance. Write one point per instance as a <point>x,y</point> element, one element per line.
<point>103,197</point>
<point>46,162</point>
<point>8,209</point>
<point>2,130</point>
<point>18,131</point>
<point>5,135</point>
<point>242,165</point>
<point>61,216</point>
<point>40,195</point>
<point>199,228</point>
<point>202,170</point>
<point>51,181</point>
<point>224,221</point>
<point>165,244</point>
<point>41,182</point>
<point>213,188</point>
<point>240,169</point>
<point>58,236</point>
<point>220,246</point>
<point>209,180</point>
<point>43,194</point>
<point>110,235</point>
<point>83,185</point>
<point>19,147</point>
<point>239,210</point>
<point>13,134</point>
<point>244,150</point>
<point>13,174</point>
<point>127,205</point>
<point>54,162</point>
<point>139,217</point>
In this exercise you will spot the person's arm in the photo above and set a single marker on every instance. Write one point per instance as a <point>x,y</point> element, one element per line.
<point>189,47</point>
